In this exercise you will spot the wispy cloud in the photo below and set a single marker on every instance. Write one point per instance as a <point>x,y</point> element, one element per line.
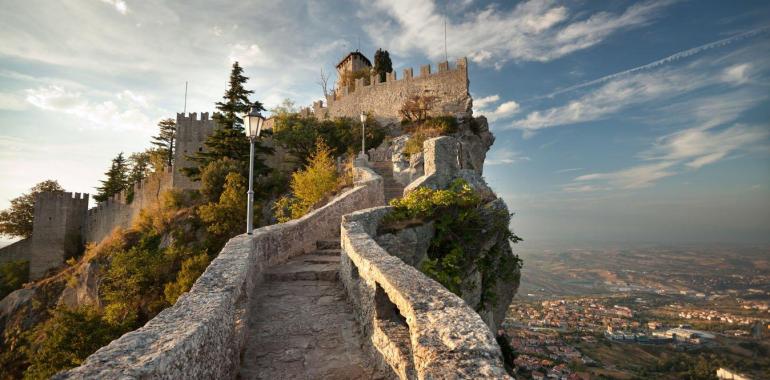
<point>125,111</point>
<point>632,178</point>
<point>532,31</point>
<point>505,156</point>
<point>671,58</point>
<point>119,5</point>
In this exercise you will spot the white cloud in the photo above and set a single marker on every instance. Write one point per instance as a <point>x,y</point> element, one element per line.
<point>505,156</point>
<point>700,147</point>
<point>127,111</point>
<point>12,102</point>
<point>737,74</point>
<point>483,102</point>
<point>119,5</point>
<point>634,177</point>
<point>248,55</point>
<point>614,96</point>
<point>531,31</point>
<point>502,111</point>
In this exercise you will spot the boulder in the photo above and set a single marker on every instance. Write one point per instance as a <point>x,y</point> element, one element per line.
<point>410,244</point>
<point>84,291</point>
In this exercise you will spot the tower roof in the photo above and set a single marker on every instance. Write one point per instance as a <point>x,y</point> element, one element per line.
<point>354,54</point>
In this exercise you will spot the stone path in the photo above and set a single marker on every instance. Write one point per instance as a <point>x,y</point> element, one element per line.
<point>393,189</point>
<point>302,326</point>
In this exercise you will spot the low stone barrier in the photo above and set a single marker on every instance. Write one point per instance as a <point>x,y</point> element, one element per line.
<point>202,335</point>
<point>415,325</point>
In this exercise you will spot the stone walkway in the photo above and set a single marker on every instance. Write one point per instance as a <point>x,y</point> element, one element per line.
<point>302,326</point>
<point>393,189</point>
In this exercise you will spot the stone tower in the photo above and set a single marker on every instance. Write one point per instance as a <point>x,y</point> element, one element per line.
<point>56,231</point>
<point>191,134</point>
<point>355,61</point>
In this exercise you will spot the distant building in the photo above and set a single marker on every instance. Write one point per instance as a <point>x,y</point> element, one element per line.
<point>723,373</point>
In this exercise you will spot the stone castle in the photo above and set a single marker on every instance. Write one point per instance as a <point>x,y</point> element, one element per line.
<point>322,296</point>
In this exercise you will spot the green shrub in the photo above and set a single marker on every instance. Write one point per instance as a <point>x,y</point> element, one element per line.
<point>225,218</point>
<point>192,268</point>
<point>462,226</point>
<point>13,274</point>
<point>214,176</point>
<point>66,340</point>
<point>428,129</point>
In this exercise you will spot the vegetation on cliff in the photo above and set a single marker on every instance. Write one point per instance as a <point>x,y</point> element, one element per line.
<point>463,225</point>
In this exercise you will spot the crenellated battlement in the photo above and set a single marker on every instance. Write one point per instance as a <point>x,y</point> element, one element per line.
<point>117,211</point>
<point>448,85</point>
<point>360,85</point>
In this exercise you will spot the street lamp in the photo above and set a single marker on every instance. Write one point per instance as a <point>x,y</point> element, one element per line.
<point>363,134</point>
<point>253,122</point>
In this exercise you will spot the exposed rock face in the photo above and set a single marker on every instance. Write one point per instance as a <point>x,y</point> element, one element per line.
<point>406,168</point>
<point>461,156</point>
<point>84,291</point>
<point>410,244</point>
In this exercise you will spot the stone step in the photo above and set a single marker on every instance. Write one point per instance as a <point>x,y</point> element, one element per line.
<point>327,252</point>
<point>328,244</point>
<point>306,268</point>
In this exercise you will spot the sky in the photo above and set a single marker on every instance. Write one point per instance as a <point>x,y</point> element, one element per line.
<point>630,122</point>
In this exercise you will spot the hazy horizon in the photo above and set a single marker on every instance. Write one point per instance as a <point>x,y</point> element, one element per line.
<point>621,122</point>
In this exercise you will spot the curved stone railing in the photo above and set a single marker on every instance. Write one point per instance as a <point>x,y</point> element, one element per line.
<point>202,335</point>
<point>416,326</point>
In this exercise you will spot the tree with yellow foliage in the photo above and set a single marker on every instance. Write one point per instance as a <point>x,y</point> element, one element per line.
<point>309,185</point>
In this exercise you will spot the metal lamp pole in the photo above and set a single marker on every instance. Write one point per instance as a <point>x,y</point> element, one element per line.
<point>363,134</point>
<point>253,121</point>
<point>250,204</point>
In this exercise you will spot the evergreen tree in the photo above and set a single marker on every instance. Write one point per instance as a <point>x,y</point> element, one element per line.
<point>140,167</point>
<point>166,139</point>
<point>228,139</point>
<point>17,220</point>
<point>117,179</point>
<point>382,63</point>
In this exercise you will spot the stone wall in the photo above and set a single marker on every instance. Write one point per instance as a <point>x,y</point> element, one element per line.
<point>118,212</point>
<point>385,99</point>
<point>16,251</point>
<point>58,223</point>
<point>191,133</point>
<point>416,326</point>
<point>202,335</point>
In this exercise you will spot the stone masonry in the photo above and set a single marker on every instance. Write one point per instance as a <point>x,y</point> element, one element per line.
<point>385,99</point>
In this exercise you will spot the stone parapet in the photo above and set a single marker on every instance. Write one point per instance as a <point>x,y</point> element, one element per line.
<point>202,335</point>
<point>416,326</point>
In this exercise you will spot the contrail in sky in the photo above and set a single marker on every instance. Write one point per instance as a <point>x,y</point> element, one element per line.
<point>670,58</point>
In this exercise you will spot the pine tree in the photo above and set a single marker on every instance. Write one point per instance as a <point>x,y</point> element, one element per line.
<point>382,63</point>
<point>117,179</point>
<point>165,140</point>
<point>228,139</point>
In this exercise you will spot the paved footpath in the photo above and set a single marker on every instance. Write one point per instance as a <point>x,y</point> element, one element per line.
<point>302,326</point>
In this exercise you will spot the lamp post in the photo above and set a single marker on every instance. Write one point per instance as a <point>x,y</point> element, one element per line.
<point>363,134</point>
<point>253,122</point>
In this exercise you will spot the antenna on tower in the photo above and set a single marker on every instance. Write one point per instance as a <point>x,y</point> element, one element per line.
<point>446,56</point>
<point>359,43</point>
<point>185,98</point>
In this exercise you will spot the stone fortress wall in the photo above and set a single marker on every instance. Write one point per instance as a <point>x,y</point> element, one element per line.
<point>117,211</point>
<point>385,99</point>
<point>57,228</point>
<point>191,133</point>
<point>63,223</point>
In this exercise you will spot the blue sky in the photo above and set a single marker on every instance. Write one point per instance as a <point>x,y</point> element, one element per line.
<point>616,121</point>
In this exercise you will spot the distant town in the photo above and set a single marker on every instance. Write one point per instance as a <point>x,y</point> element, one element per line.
<point>666,321</point>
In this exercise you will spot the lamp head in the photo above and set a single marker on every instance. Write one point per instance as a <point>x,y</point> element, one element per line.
<point>363,117</point>
<point>253,122</point>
